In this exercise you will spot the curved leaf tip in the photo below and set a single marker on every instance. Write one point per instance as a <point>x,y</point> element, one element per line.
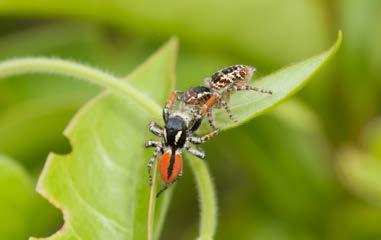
<point>284,83</point>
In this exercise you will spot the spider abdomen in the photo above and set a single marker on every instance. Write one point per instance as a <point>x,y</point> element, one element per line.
<point>171,164</point>
<point>236,74</point>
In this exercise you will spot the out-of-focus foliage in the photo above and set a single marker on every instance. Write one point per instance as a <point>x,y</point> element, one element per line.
<point>22,211</point>
<point>278,177</point>
<point>361,172</point>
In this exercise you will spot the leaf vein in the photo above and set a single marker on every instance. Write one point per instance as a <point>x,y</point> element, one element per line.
<point>105,220</point>
<point>108,162</point>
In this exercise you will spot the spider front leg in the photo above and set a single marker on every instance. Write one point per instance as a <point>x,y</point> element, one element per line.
<point>203,139</point>
<point>170,101</point>
<point>156,129</point>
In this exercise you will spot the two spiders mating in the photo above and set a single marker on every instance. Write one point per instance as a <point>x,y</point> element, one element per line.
<point>180,124</point>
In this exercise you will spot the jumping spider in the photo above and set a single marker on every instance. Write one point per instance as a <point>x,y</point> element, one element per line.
<point>217,91</point>
<point>177,134</point>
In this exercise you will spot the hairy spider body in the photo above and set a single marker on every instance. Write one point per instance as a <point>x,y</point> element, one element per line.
<point>196,96</point>
<point>217,90</point>
<point>237,75</point>
<point>177,134</point>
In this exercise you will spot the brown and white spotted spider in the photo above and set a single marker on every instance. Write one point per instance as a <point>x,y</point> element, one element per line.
<point>217,90</point>
<point>177,134</point>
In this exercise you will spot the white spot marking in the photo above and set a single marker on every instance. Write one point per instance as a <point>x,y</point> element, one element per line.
<point>178,135</point>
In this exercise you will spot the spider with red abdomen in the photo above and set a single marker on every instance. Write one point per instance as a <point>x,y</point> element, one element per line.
<point>217,90</point>
<point>177,134</point>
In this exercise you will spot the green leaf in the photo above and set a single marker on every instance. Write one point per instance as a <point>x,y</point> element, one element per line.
<point>32,128</point>
<point>23,212</point>
<point>360,172</point>
<point>284,83</point>
<point>143,94</point>
<point>34,109</point>
<point>372,137</point>
<point>102,185</point>
<point>15,198</point>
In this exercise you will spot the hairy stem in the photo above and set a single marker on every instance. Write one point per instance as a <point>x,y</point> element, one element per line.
<point>208,205</point>
<point>159,223</point>
<point>20,66</point>
<point>151,204</point>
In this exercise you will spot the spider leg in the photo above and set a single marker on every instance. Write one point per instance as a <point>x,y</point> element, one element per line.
<point>170,101</point>
<point>210,103</point>
<point>151,162</point>
<point>203,139</point>
<point>194,151</point>
<point>151,143</point>
<point>166,186</point>
<point>227,109</point>
<point>156,129</point>
<point>197,121</point>
<point>162,190</point>
<point>252,88</point>
<point>210,119</point>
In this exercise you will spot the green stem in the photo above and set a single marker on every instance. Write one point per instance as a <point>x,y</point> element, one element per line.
<point>151,204</point>
<point>160,218</point>
<point>20,66</point>
<point>208,205</point>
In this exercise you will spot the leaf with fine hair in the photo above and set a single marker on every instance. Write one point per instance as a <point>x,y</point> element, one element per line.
<point>101,186</point>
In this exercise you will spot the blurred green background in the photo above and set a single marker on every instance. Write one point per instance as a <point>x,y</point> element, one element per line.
<point>310,169</point>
